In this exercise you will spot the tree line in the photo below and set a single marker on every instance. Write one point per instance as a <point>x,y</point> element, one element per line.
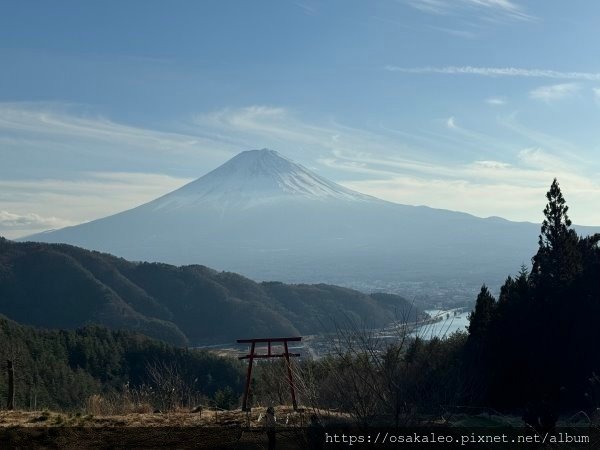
<point>539,341</point>
<point>64,369</point>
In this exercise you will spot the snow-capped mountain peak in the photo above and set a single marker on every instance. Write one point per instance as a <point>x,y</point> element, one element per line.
<point>255,177</point>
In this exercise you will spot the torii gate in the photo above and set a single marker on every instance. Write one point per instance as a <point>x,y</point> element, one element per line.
<point>252,356</point>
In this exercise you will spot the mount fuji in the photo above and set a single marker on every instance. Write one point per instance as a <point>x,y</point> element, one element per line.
<point>269,218</point>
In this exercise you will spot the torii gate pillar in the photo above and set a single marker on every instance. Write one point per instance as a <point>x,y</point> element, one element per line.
<point>253,355</point>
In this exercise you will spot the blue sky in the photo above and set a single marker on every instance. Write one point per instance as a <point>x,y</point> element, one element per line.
<point>470,105</point>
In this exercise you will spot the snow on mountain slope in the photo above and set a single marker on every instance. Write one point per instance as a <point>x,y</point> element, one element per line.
<point>256,177</point>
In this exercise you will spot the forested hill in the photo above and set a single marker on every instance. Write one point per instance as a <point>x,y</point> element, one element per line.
<point>62,286</point>
<point>62,369</point>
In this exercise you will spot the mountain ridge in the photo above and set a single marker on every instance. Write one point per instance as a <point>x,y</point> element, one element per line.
<point>266,217</point>
<point>62,286</point>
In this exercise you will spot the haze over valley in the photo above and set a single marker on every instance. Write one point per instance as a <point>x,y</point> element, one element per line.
<point>268,218</point>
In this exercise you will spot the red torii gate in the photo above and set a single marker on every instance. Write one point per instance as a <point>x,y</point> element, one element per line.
<point>252,356</point>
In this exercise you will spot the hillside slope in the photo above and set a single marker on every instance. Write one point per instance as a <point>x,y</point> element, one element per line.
<point>61,286</point>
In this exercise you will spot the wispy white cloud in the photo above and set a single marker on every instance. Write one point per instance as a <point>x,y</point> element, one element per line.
<point>467,34</point>
<point>306,7</point>
<point>10,221</point>
<point>473,140</point>
<point>554,92</point>
<point>385,164</point>
<point>490,165</point>
<point>490,188</point>
<point>266,126</point>
<point>60,161</point>
<point>458,195</point>
<point>487,8</point>
<point>498,72</point>
<point>536,157</point>
<point>414,167</point>
<point>482,171</point>
<point>97,184</point>
<point>429,6</point>
<point>55,120</point>
<point>34,205</point>
<point>495,101</point>
<point>64,135</point>
<point>572,155</point>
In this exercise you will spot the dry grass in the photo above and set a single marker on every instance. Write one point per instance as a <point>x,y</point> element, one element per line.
<point>209,428</point>
<point>286,416</point>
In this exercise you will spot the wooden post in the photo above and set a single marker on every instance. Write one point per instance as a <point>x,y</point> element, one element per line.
<point>248,378</point>
<point>289,371</point>
<point>11,385</point>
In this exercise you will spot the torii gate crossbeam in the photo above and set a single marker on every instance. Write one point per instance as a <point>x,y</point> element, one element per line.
<point>253,355</point>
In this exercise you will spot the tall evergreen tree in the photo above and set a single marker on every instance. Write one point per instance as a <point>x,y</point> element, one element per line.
<point>557,261</point>
<point>556,224</point>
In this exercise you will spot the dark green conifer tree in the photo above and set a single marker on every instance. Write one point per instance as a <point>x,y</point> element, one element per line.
<point>558,260</point>
<point>480,318</point>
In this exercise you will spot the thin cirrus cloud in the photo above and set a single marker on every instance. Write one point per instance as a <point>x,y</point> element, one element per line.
<point>304,140</point>
<point>489,9</point>
<point>32,205</point>
<point>393,164</point>
<point>497,72</point>
<point>541,139</point>
<point>555,92</point>
<point>48,127</point>
<point>486,187</point>
<point>387,166</point>
<point>61,166</point>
